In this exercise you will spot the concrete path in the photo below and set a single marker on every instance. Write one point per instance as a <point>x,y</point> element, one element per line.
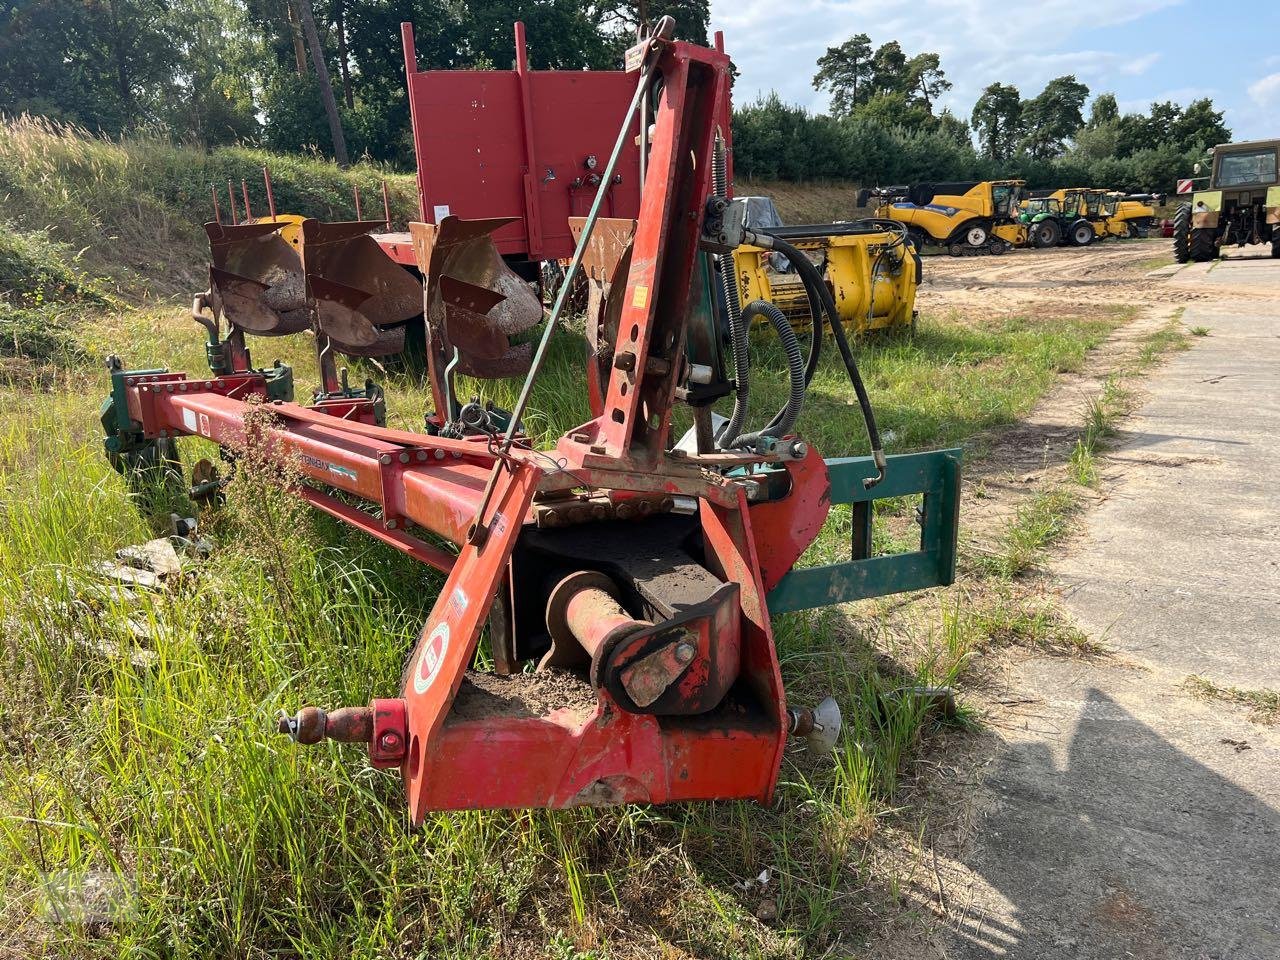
<point>1125,818</point>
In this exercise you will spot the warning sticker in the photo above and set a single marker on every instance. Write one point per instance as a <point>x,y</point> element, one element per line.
<point>432,658</point>
<point>640,299</point>
<point>189,420</point>
<point>204,425</point>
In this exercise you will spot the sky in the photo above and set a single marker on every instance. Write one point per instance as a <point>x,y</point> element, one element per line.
<point>1140,50</point>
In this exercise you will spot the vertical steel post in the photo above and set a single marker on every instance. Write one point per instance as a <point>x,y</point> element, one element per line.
<point>271,197</point>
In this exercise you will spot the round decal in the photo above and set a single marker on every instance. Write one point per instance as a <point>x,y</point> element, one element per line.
<point>432,658</point>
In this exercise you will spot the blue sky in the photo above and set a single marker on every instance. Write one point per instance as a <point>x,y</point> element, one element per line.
<point>1140,50</point>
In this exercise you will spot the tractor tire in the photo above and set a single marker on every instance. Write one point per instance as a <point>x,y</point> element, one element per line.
<point>1081,233</point>
<point>956,249</point>
<point>998,247</point>
<point>1202,245</point>
<point>1046,233</point>
<point>1275,247</point>
<point>976,235</point>
<point>1182,233</point>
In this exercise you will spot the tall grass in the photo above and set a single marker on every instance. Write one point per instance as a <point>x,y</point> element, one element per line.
<point>144,753</point>
<point>136,740</point>
<point>136,206</point>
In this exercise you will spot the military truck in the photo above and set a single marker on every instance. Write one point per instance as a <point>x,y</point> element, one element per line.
<point>1240,206</point>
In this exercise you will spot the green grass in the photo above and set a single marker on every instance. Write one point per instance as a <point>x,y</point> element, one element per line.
<point>1263,705</point>
<point>238,844</point>
<point>136,207</point>
<point>146,753</point>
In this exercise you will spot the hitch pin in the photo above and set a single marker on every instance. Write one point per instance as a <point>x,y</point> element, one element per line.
<point>383,726</point>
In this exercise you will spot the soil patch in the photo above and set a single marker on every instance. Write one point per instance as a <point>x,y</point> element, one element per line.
<point>483,695</point>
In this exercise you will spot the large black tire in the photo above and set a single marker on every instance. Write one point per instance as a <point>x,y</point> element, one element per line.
<point>1275,247</point>
<point>1202,245</point>
<point>1046,233</point>
<point>1182,233</point>
<point>1081,234</point>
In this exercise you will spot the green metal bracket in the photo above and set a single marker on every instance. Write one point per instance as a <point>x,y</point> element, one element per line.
<point>936,475</point>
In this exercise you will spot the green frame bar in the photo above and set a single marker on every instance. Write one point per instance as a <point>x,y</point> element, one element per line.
<point>936,475</point>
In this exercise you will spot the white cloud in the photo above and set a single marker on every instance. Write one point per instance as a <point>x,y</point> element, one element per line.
<point>1141,65</point>
<point>1266,92</point>
<point>776,45</point>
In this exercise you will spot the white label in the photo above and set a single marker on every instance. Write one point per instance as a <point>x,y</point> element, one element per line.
<point>189,420</point>
<point>460,599</point>
<point>441,211</point>
<point>204,425</point>
<point>432,658</point>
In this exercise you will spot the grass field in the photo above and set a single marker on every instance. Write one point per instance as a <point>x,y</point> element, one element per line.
<point>147,809</point>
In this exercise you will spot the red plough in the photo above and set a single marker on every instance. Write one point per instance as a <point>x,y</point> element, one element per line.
<point>627,579</point>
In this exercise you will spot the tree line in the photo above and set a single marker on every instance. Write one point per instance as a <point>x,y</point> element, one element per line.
<point>324,75</point>
<point>883,128</point>
<point>228,71</point>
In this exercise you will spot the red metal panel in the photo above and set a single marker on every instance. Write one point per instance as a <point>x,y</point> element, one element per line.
<point>784,528</point>
<point>611,757</point>
<point>472,155</point>
<point>448,641</point>
<point>731,554</point>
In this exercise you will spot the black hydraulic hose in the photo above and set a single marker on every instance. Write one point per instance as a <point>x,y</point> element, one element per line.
<point>738,328</point>
<point>739,331</point>
<point>806,268</point>
<point>790,413</point>
<point>901,238</point>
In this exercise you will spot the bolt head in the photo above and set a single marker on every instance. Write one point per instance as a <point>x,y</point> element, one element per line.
<point>390,740</point>
<point>685,651</point>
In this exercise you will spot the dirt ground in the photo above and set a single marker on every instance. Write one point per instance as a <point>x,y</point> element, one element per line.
<point>1108,812</point>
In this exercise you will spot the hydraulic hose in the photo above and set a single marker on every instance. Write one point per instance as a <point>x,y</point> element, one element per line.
<point>790,413</point>
<point>809,271</point>
<point>738,329</point>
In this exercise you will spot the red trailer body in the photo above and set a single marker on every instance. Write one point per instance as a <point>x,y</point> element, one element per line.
<point>526,144</point>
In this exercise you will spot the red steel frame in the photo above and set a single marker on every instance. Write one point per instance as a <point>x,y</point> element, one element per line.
<point>437,485</point>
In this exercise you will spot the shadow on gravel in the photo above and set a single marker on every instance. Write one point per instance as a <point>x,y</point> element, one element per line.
<point>1134,850</point>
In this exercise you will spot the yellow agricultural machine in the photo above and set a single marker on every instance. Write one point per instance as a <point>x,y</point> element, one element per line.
<point>1132,215</point>
<point>963,218</point>
<point>872,272</point>
<point>870,266</point>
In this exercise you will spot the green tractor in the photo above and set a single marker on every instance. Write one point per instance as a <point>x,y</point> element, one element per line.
<point>1241,205</point>
<point>1056,219</point>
